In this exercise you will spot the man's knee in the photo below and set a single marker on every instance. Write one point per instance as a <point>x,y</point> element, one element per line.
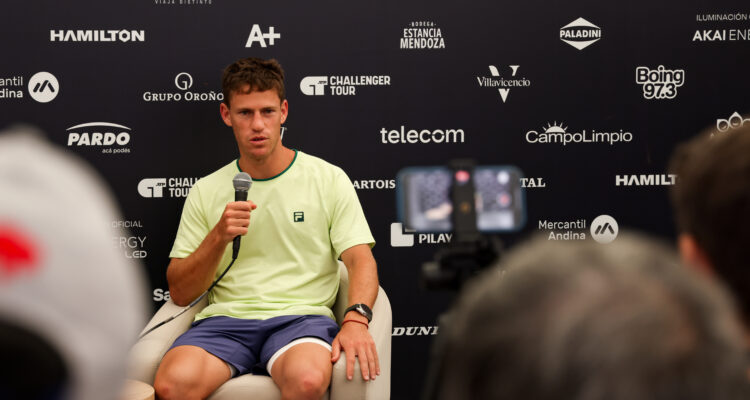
<point>310,384</point>
<point>172,383</point>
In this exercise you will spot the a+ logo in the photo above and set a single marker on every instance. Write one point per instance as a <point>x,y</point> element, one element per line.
<point>257,35</point>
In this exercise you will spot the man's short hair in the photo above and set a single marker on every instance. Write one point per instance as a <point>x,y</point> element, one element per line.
<point>711,201</point>
<point>250,74</point>
<point>585,321</point>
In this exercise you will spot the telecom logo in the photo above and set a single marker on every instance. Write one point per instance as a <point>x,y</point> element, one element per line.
<point>604,229</point>
<point>100,134</point>
<point>733,122</point>
<point>43,87</point>
<point>340,85</point>
<point>659,83</point>
<point>183,81</point>
<point>402,135</point>
<point>257,36</point>
<point>369,184</point>
<point>580,33</point>
<point>404,237</point>
<point>422,35</point>
<point>503,85</point>
<point>722,35</point>
<point>165,187</point>
<point>97,35</point>
<point>558,134</point>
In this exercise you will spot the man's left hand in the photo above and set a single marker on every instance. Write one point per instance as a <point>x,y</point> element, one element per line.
<point>355,340</point>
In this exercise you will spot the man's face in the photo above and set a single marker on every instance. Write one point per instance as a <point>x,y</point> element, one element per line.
<point>256,119</point>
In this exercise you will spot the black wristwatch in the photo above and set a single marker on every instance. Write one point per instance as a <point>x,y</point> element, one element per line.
<point>362,309</point>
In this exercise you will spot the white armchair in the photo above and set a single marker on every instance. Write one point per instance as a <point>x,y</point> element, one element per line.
<point>147,353</point>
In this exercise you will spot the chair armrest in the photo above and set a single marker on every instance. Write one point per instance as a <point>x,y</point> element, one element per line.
<point>146,354</point>
<point>380,330</point>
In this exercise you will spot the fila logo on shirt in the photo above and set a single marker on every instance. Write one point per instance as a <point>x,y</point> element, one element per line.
<point>299,216</point>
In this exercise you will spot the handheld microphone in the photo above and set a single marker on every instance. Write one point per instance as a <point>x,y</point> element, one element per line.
<point>242,183</point>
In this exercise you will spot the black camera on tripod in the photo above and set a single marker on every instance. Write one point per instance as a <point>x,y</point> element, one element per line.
<point>468,201</point>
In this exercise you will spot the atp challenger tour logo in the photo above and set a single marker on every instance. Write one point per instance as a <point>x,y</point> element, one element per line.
<point>340,85</point>
<point>659,83</point>
<point>165,187</point>
<point>580,33</point>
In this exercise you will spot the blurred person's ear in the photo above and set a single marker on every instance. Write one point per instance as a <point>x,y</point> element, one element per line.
<point>693,254</point>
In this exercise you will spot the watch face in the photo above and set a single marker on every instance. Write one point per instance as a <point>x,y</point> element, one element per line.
<point>362,309</point>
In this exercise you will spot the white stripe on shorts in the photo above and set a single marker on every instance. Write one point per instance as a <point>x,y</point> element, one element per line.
<point>281,351</point>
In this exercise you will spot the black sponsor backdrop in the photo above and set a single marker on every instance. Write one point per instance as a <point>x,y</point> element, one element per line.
<point>589,89</point>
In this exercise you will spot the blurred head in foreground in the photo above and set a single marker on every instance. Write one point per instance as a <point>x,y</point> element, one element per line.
<point>584,321</point>
<point>71,304</point>
<point>711,200</point>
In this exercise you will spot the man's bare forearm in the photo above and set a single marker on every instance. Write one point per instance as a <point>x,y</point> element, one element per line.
<point>189,277</point>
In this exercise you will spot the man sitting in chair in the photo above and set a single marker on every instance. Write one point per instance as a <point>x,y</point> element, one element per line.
<point>272,311</point>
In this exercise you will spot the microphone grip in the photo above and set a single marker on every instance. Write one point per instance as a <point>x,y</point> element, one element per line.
<point>239,195</point>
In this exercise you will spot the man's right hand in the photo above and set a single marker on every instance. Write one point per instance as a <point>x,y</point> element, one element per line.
<point>235,220</point>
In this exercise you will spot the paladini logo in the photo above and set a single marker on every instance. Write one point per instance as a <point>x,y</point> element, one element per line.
<point>580,33</point>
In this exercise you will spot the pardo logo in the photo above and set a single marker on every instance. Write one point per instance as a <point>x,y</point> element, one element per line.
<point>503,85</point>
<point>257,35</point>
<point>403,237</point>
<point>313,85</point>
<point>183,81</point>
<point>152,187</point>
<point>733,122</point>
<point>43,87</point>
<point>604,229</point>
<point>100,134</point>
<point>659,83</point>
<point>580,33</point>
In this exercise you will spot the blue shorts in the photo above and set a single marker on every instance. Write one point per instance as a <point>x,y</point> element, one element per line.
<point>248,344</point>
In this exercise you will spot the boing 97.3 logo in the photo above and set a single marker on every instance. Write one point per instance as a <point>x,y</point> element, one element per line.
<point>659,83</point>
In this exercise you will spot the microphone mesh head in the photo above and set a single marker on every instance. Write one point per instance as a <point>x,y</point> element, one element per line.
<point>242,181</point>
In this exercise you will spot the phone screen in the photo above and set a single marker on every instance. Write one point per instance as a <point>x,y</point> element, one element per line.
<point>424,200</point>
